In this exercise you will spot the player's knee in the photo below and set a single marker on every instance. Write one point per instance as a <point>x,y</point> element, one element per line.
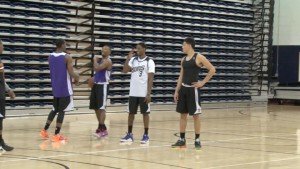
<point>196,116</point>
<point>131,116</point>
<point>183,116</point>
<point>102,111</point>
<point>51,115</point>
<point>60,117</point>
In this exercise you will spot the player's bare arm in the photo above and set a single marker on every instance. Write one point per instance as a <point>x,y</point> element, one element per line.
<point>149,88</point>
<point>126,67</point>
<point>106,64</point>
<point>179,82</point>
<point>203,61</point>
<point>70,68</point>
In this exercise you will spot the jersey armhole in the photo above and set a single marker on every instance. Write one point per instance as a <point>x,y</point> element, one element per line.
<point>200,65</point>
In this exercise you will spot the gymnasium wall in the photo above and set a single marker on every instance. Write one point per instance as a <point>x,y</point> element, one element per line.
<point>286,39</point>
<point>286,23</point>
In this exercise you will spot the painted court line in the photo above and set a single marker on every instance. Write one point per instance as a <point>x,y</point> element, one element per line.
<point>139,148</point>
<point>106,151</point>
<point>257,162</point>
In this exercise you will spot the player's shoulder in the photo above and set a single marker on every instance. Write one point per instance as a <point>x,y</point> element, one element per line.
<point>183,58</point>
<point>150,59</point>
<point>200,56</point>
<point>109,59</point>
<point>68,56</point>
<point>133,58</point>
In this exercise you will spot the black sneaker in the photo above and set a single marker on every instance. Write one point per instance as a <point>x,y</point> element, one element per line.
<point>179,144</point>
<point>198,144</point>
<point>5,147</point>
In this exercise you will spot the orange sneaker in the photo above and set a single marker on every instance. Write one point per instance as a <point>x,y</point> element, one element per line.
<point>58,137</point>
<point>44,134</point>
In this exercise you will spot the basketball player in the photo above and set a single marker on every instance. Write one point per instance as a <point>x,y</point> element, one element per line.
<point>187,93</point>
<point>142,73</point>
<point>61,73</point>
<point>3,88</point>
<point>98,96</point>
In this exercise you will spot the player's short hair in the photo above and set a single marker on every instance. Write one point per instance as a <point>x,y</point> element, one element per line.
<point>191,41</point>
<point>143,45</point>
<point>59,43</point>
<point>106,46</point>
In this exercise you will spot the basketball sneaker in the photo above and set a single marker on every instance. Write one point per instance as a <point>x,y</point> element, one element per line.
<point>104,133</point>
<point>98,133</point>
<point>198,144</point>
<point>101,133</point>
<point>58,137</point>
<point>180,143</point>
<point>4,146</point>
<point>145,139</point>
<point>44,134</point>
<point>127,138</point>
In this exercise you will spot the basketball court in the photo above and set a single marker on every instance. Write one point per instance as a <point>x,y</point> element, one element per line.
<point>240,128</point>
<point>232,138</point>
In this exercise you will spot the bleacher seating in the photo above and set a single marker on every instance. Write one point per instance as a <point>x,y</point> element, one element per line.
<point>28,30</point>
<point>223,31</point>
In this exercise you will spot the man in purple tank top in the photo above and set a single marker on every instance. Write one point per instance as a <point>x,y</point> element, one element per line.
<point>102,67</point>
<point>61,73</point>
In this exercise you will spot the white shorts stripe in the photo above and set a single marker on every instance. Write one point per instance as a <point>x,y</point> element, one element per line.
<point>198,107</point>
<point>71,105</point>
<point>69,83</point>
<point>104,97</point>
<point>148,110</point>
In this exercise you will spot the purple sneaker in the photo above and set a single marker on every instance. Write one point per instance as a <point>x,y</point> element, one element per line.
<point>98,133</point>
<point>104,133</point>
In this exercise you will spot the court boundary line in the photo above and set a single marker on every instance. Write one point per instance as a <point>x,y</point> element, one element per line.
<point>113,150</point>
<point>251,163</point>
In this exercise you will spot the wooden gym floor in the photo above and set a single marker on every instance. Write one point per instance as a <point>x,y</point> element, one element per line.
<point>241,138</point>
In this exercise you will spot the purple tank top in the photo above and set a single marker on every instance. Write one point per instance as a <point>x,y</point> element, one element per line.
<point>60,78</point>
<point>102,76</point>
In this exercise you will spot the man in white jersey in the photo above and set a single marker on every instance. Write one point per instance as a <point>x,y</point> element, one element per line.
<point>142,73</point>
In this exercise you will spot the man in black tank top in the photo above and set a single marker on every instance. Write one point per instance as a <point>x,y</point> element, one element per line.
<point>187,94</point>
<point>3,89</point>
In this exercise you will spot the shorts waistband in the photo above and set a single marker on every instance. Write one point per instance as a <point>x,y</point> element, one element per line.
<point>186,85</point>
<point>102,83</point>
